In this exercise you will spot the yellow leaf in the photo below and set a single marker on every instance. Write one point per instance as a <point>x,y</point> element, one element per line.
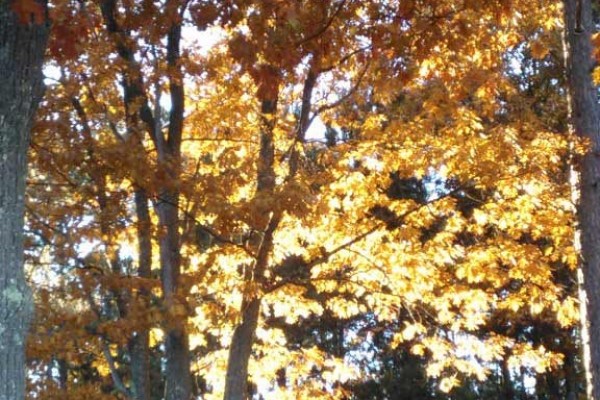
<point>156,336</point>
<point>596,76</point>
<point>101,367</point>
<point>418,350</point>
<point>448,383</point>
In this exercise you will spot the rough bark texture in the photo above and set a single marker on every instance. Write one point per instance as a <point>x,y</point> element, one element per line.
<point>585,119</point>
<point>22,49</point>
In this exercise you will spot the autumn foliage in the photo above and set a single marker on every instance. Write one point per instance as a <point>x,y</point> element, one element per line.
<point>351,190</point>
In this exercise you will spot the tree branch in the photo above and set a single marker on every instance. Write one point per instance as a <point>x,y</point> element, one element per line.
<point>344,59</point>
<point>133,83</point>
<point>324,28</point>
<point>345,97</point>
<point>326,254</point>
<point>175,88</point>
<point>118,382</point>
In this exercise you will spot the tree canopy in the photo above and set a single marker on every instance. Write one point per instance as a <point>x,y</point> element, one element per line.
<point>304,199</point>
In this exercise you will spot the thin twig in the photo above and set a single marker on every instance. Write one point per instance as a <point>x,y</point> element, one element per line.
<point>324,28</point>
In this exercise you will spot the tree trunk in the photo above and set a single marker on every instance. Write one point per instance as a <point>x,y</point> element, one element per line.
<point>178,378</point>
<point>22,49</point>
<point>572,379</point>
<point>585,120</point>
<point>236,386</point>
<point>240,350</point>
<point>507,384</point>
<point>139,344</point>
<point>63,373</point>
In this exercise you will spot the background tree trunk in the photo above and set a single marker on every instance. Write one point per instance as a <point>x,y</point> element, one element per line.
<point>178,379</point>
<point>585,120</point>
<point>22,49</point>
<point>139,344</point>
<point>178,376</point>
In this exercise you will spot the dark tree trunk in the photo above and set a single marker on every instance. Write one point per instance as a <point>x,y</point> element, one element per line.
<point>22,49</point>
<point>585,120</point>
<point>507,384</point>
<point>178,376</point>
<point>63,373</point>
<point>139,345</point>
<point>572,378</point>
<point>178,379</point>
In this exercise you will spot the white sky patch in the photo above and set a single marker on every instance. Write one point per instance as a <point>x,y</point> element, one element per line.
<point>51,74</point>
<point>316,130</point>
<point>203,41</point>
<point>515,65</point>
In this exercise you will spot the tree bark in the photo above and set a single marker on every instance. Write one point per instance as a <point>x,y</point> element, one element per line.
<point>139,349</point>
<point>572,379</point>
<point>585,121</point>
<point>178,380</point>
<point>240,350</point>
<point>22,49</point>
<point>507,384</point>
<point>236,386</point>
<point>178,376</point>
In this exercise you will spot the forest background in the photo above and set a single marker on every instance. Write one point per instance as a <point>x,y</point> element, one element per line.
<point>335,199</point>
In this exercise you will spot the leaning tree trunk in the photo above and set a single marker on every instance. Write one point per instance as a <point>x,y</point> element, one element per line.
<point>585,120</point>
<point>22,47</point>
<point>236,379</point>
<point>240,350</point>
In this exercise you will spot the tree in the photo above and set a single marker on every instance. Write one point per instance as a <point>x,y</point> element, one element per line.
<point>585,120</point>
<point>23,36</point>
<point>435,213</point>
<point>454,99</point>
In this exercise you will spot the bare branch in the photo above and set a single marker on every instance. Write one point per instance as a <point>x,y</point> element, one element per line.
<point>304,121</point>
<point>219,237</point>
<point>344,246</point>
<point>218,140</point>
<point>113,371</point>
<point>326,26</point>
<point>344,59</point>
<point>133,84</point>
<point>345,97</point>
<point>176,88</point>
